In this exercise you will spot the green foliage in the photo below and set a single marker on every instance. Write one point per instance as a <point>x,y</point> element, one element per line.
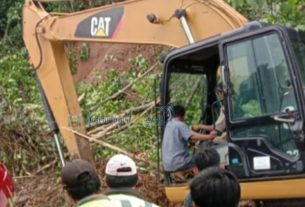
<point>288,13</point>
<point>4,7</point>
<point>16,80</point>
<point>72,54</point>
<point>77,5</point>
<point>12,26</point>
<point>138,63</point>
<point>251,109</point>
<point>22,118</point>
<point>187,90</point>
<point>84,53</point>
<point>139,136</point>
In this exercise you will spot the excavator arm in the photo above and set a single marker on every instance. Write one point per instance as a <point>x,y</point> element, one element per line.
<point>166,22</point>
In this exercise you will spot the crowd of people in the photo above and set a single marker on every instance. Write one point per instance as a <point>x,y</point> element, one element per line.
<point>82,184</point>
<point>213,186</point>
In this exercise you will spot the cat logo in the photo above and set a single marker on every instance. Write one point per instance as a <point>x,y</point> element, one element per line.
<point>105,24</point>
<point>100,26</point>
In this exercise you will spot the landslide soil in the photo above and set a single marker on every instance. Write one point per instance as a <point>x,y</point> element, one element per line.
<point>44,189</point>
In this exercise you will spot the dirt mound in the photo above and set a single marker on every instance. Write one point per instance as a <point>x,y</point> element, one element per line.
<point>45,190</point>
<point>104,57</point>
<point>41,190</point>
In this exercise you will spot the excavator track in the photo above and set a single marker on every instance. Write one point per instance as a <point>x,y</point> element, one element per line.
<point>281,203</point>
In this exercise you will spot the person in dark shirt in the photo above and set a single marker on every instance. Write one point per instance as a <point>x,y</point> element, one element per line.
<point>175,154</point>
<point>204,158</point>
<point>215,187</point>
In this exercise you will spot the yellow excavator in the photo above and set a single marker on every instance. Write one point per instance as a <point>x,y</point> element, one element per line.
<point>262,68</point>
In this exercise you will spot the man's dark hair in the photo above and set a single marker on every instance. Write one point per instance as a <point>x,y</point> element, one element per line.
<point>215,187</point>
<point>121,181</point>
<point>89,186</point>
<point>207,157</point>
<point>179,111</point>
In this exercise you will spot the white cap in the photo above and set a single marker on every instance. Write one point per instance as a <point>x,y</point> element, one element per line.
<point>121,165</point>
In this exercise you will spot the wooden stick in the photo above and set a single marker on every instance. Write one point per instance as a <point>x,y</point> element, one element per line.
<point>95,130</point>
<point>118,119</point>
<point>129,85</point>
<point>114,125</point>
<point>81,97</point>
<point>115,148</point>
<point>46,166</point>
<point>137,109</point>
<point>122,128</point>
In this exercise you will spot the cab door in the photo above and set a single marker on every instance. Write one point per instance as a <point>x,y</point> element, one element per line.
<point>263,105</point>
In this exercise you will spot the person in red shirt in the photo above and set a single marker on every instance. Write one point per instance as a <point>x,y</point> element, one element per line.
<point>6,187</point>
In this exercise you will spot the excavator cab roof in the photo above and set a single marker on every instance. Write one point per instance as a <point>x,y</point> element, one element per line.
<point>204,52</point>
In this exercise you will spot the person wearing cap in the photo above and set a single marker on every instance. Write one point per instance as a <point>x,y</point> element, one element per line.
<point>82,184</point>
<point>121,178</point>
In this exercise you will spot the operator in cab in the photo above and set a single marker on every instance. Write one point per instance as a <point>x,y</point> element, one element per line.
<point>175,154</point>
<point>219,126</point>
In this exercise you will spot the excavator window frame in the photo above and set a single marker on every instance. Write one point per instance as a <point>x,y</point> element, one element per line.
<point>169,67</point>
<point>291,61</point>
<point>296,83</point>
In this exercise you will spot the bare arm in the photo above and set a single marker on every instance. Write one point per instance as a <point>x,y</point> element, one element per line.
<point>203,137</point>
<point>197,127</point>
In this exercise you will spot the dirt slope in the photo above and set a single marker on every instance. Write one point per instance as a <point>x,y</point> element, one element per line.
<point>104,57</point>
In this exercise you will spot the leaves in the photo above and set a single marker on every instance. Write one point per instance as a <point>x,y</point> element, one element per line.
<point>140,134</point>
<point>289,13</point>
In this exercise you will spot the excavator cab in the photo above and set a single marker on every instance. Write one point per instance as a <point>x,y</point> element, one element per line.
<point>262,69</point>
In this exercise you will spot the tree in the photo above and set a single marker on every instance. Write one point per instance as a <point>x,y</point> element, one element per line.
<point>289,13</point>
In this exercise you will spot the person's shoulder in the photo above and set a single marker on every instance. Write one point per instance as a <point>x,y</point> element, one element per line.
<point>172,123</point>
<point>177,123</point>
<point>134,200</point>
<point>98,200</point>
<point>147,203</point>
<point>154,205</point>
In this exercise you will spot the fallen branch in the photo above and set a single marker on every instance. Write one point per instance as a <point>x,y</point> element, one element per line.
<point>122,128</point>
<point>116,124</point>
<point>47,166</point>
<point>117,94</point>
<point>118,119</point>
<point>95,130</point>
<point>81,98</point>
<point>137,109</point>
<point>115,148</point>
